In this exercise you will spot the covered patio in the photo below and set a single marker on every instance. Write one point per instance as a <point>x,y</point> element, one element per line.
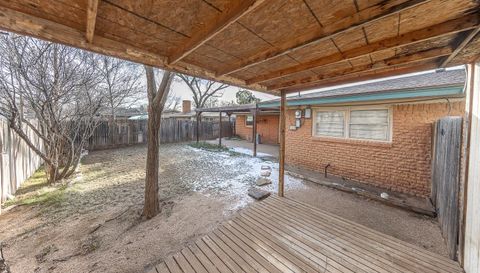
<point>281,47</point>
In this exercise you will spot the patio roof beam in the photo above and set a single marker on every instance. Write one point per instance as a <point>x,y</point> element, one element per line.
<point>379,65</point>
<point>349,23</point>
<point>92,10</point>
<point>432,32</point>
<point>363,76</point>
<point>230,15</point>
<point>469,37</point>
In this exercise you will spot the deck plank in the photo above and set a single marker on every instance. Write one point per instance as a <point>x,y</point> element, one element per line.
<point>283,235</point>
<point>394,246</point>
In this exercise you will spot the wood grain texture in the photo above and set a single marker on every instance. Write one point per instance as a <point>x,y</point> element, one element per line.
<point>283,235</point>
<point>91,19</point>
<point>257,43</point>
<point>446,178</point>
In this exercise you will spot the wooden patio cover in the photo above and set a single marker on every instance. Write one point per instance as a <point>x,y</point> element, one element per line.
<point>264,45</point>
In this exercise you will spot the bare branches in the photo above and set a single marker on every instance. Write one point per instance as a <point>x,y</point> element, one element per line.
<point>59,87</point>
<point>202,90</point>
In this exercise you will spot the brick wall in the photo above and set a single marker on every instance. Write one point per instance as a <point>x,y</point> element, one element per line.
<point>404,165</point>
<point>267,127</point>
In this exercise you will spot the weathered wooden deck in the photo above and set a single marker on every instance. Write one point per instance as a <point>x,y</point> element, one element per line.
<point>283,235</point>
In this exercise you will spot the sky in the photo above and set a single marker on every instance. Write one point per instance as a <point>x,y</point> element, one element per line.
<point>180,89</point>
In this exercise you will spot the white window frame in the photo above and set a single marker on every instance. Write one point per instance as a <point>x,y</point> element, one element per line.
<point>346,128</point>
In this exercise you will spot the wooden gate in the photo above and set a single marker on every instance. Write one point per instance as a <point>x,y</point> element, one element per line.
<point>446,178</point>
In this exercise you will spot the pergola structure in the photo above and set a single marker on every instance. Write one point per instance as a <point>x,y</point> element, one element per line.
<point>275,46</point>
<point>253,109</point>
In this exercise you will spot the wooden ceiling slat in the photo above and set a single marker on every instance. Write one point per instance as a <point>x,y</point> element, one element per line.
<point>357,20</point>
<point>12,20</point>
<point>92,9</point>
<point>461,46</point>
<point>218,24</point>
<point>391,62</point>
<point>285,44</point>
<point>432,32</point>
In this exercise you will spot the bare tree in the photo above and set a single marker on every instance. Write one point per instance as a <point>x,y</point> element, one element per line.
<point>173,103</point>
<point>122,87</point>
<point>55,85</point>
<point>204,92</point>
<point>156,102</point>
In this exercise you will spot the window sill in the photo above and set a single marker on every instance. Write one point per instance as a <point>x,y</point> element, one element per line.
<point>384,144</point>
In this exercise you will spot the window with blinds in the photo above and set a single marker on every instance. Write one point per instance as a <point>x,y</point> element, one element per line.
<point>330,123</point>
<point>369,124</point>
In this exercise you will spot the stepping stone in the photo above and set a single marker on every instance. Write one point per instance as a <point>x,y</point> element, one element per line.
<point>266,167</point>
<point>257,193</point>
<point>265,173</point>
<point>262,181</point>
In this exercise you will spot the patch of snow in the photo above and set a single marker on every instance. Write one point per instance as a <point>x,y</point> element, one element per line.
<point>237,174</point>
<point>246,151</point>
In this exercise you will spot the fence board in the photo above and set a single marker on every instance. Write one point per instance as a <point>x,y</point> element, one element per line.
<point>129,132</point>
<point>17,161</point>
<point>446,178</point>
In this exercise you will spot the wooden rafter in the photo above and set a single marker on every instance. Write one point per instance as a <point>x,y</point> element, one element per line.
<point>390,62</point>
<point>233,13</point>
<point>349,23</point>
<point>425,34</point>
<point>364,76</point>
<point>461,46</point>
<point>92,9</point>
<point>22,23</point>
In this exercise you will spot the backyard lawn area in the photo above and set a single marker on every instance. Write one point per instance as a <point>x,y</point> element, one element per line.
<point>92,223</point>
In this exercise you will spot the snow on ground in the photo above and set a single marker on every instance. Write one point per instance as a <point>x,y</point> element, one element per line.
<point>246,151</point>
<point>246,170</point>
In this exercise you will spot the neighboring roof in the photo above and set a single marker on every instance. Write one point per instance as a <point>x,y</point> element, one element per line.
<point>263,45</point>
<point>231,108</point>
<point>123,111</point>
<point>429,85</point>
<point>175,115</point>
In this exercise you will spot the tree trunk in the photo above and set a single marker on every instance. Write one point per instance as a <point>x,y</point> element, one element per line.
<point>151,207</point>
<point>156,102</point>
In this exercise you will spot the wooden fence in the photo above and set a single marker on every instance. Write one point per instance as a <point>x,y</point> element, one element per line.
<point>129,132</point>
<point>446,178</point>
<point>17,161</point>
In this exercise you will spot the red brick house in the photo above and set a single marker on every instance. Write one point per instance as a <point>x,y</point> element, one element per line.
<point>377,133</point>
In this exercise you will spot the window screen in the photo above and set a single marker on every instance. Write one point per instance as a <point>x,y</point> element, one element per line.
<point>330,123</point>
<point>369,124</point>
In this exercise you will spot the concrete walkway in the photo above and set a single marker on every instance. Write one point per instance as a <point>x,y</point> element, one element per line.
<point>246,147</point>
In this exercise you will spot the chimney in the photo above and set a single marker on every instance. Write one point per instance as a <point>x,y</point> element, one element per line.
<point>186,106</point>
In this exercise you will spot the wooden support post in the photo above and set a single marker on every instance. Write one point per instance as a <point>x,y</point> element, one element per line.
<point>255,132</point>
<point>229,114</point>
<point>198,126</point>
<point>470,237</point>
<point>220,129</point>
<point>281,163</point>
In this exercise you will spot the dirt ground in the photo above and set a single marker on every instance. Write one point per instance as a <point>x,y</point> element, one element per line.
<point>94,224</point>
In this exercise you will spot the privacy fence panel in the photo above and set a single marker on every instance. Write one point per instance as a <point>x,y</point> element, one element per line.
<point>129,132</point>
<point>17,161</point>
<point>446,178</point>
